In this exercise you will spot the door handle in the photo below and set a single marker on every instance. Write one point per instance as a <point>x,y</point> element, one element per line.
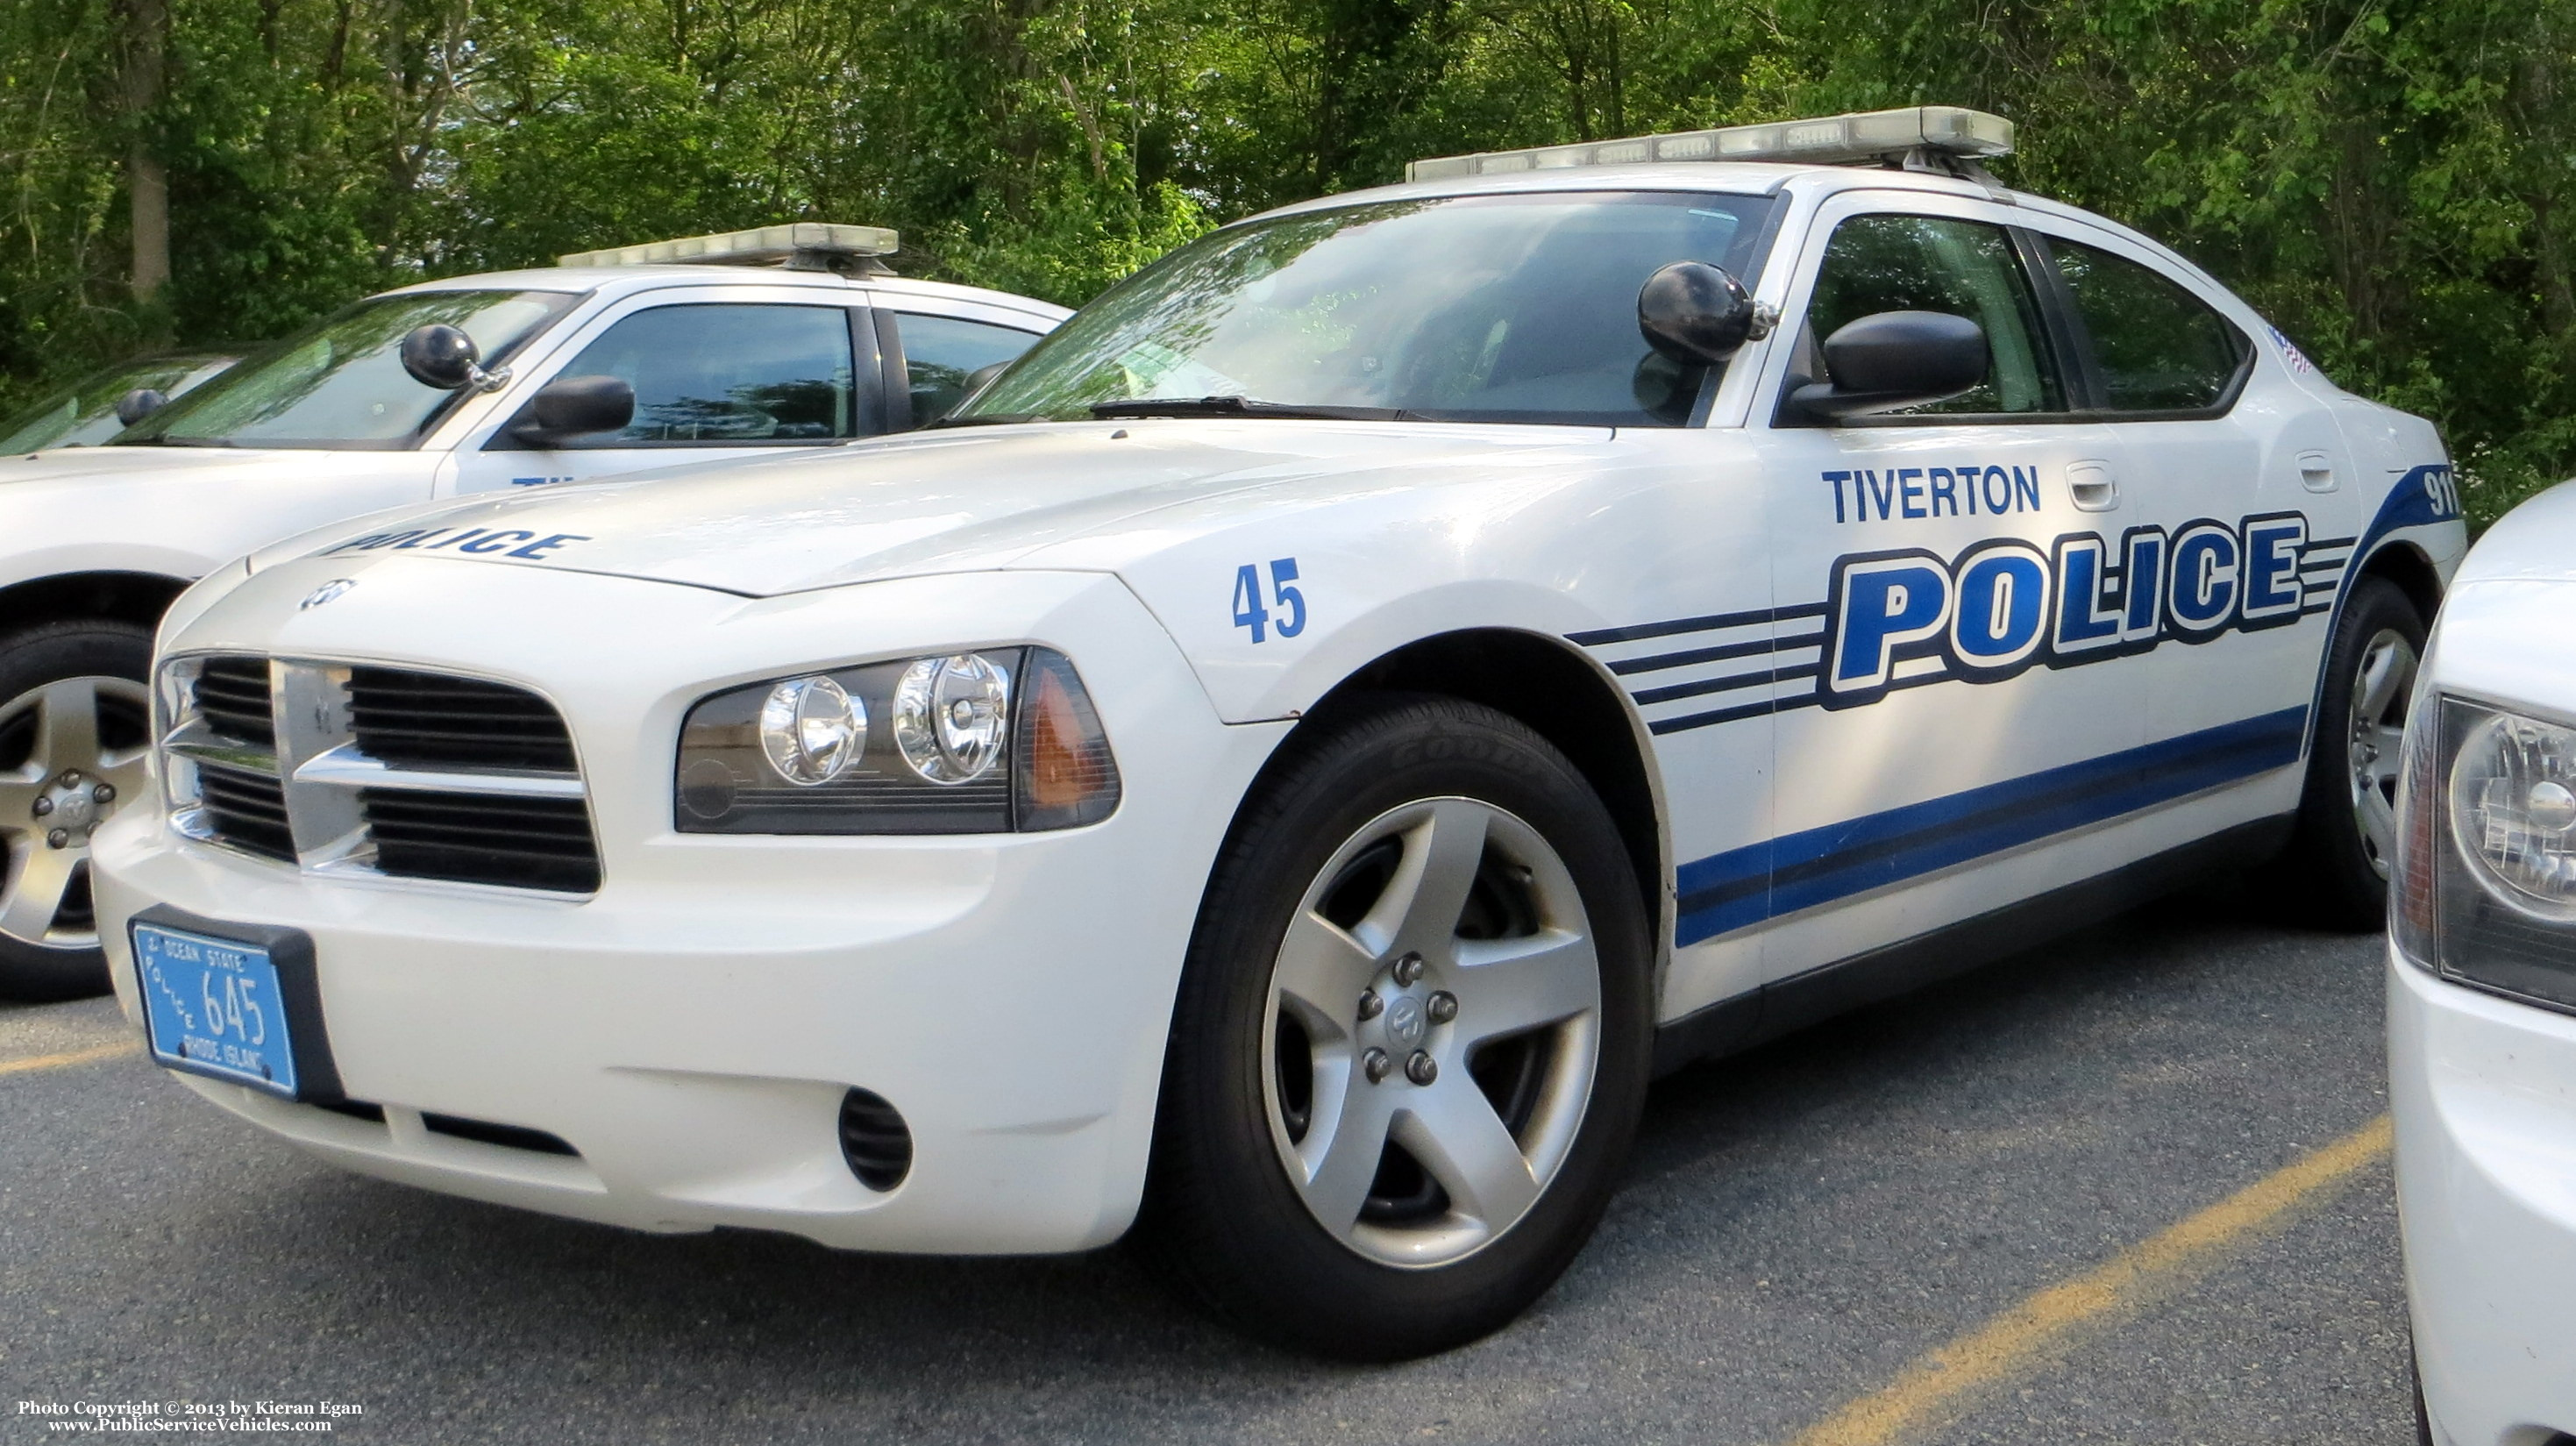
<point>2316,472</point>
<point>2092,486</point>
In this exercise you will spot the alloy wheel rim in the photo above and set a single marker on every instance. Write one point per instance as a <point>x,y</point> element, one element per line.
<point>2381,686</point>
<point>1431,1032</point>
<point>77,769</point>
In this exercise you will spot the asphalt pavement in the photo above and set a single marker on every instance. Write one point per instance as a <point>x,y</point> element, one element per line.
<point>1800,1227</point>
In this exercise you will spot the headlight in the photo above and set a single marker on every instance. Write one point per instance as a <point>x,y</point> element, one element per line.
<point>2485,888</point>
<point>996,741</point>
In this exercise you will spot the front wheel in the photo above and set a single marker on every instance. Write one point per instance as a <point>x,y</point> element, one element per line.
<point>74,724</point>
<point>1412,1038</point>
<point>2338,861</point>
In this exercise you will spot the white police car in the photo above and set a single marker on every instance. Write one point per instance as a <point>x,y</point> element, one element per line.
<point>2482,992</point>
<point>1378,683</point>
<point>617,361</point>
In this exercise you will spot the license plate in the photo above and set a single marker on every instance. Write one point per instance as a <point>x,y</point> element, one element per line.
<point>214,1007</point>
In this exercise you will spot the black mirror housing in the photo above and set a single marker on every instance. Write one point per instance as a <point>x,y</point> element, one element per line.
<point>1695,313</point>
<point>569,408</point>
<point>1893,359</point>
<point>139,403</point>
<point>441,356</point>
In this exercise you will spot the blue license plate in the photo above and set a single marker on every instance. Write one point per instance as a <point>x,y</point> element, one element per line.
<point>213,1007</point>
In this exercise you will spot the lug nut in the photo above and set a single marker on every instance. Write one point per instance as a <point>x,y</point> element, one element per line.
<point>1370,1005</point>
<point>1374,1064</point>
<point>104,793</point>
<point>1422,1069</point>
<point>43,806</point>
<point>71,777</point>
<point>1444,1007</point>
<point>59,838</point>
<point>1408,970</point>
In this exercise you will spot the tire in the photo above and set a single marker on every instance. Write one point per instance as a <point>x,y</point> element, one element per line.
<point>2334,874</point>
<point>74,720</point>
<point>1380,1219</point>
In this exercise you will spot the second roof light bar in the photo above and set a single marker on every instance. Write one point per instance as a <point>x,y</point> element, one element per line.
<point>1828,140</point>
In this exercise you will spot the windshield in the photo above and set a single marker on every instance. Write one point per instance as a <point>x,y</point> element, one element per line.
<point>340,383</point>
<point>84,413</point>
<point>1517,308</point>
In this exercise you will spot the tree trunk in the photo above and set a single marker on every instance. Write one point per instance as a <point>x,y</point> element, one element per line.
<point>147,33</point>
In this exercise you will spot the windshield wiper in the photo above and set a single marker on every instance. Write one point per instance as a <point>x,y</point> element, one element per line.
<point>1240,407</point>
<point>982,419</point>
<point>167,441</point>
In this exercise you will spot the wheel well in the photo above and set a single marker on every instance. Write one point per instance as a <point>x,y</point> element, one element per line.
<point>1560,696</point>
<point>2413,573</point>
<point>135,597</point>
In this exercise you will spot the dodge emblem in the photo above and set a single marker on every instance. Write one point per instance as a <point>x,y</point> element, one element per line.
<point>326,592</point>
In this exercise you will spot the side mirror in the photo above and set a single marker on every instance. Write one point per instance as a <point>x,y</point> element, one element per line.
<point>439,355</point>
<point>572,407</point>
<point>1695,313</point>
<point>139,403</point>
<point>1895,359</point>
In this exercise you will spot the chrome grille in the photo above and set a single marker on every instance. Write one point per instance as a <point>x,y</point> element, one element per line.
<point>232,695</point>
<point>426,720</point>
<point>366,769</point>
<point>247,809</point>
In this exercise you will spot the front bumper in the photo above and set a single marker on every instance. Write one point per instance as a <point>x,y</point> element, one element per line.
<point>2484,1093</point>
<point>692,1028</point>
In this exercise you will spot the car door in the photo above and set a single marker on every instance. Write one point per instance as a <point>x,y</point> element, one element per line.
<point>717,375</point>
<point>2237,485</point>
<point>1957,564</point>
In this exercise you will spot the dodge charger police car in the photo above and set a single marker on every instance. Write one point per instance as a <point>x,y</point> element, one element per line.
<point>1323,729</point>
<point>2482,991</point>
<point>614,362</point>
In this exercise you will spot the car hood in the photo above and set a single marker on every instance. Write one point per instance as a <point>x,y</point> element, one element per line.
<point>94,464</point>
<point>2535,542</point>
<point>950,501</point>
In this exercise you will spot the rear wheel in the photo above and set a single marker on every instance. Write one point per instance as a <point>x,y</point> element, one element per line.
<point>1411,1042</point>
<point>75,720</point>
<point>2338,861</point>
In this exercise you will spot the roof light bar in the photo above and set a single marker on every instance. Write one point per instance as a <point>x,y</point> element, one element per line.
<point>1827,140</point>
<point>762,245</point>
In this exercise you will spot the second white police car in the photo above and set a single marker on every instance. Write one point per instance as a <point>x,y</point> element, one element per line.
<point>742,344</point>
<point>1372,688</point>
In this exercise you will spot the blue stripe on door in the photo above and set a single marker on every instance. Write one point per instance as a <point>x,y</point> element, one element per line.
<point>1801,870</point>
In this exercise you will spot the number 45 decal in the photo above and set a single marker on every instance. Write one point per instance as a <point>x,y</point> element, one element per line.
<point>1248,611</point>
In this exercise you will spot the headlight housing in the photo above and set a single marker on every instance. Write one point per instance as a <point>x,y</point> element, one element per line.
<point>2485,888</point>
<point>997,740</point>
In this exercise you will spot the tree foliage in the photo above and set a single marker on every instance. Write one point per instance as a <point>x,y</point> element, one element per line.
<point>2390,180</point>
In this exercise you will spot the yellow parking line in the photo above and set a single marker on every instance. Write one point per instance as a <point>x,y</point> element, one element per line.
<point>2012,1340</point>
<point>68,1058</point>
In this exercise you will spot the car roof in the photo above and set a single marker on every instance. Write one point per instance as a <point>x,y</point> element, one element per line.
<point>620,281</point>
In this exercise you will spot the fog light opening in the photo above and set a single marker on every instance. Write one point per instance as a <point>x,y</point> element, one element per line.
<point>875,1140</point>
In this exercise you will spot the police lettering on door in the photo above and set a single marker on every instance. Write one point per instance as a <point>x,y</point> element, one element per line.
<point>1900,618</point>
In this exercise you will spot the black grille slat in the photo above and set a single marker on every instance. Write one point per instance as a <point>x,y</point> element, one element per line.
<point>420,720</point>
<point>481,838</point>
<point>246,810</point>
<point>232,696</point>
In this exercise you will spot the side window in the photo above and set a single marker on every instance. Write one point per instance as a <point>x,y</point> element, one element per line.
<point>941,352</point>
<point>729,372</point>
<point>1927,263</point>
<point>2160,348</point>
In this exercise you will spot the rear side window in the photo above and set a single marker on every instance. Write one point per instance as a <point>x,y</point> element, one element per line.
<point>1931,263</point>
<point>941,352</point>
<point>734,373</point>
<point>2159,348</point>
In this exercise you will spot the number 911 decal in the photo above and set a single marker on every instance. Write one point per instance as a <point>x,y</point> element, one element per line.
<point>1896,619</point>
